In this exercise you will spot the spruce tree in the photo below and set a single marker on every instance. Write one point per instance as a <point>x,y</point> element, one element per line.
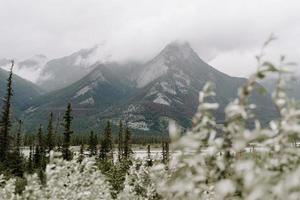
<point>127,145</point>
<point>81,153</point>
<point>67,133</point>
<point>5,122</point>
<point>50,136</point>
<point>57,138</point>
<point>167,151</point>
<point>15,159</point>
<point>29,166</point>
<point>106,143</point>
<point>39,152</point>
<point>163,152</point>
<point>93,144</point>
<point>149,159</point>
<point>120,141</point>
<point>102,153</point>
<point>19,137</point>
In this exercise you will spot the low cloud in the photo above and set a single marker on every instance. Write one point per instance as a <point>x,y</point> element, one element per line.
<point>226,34</point>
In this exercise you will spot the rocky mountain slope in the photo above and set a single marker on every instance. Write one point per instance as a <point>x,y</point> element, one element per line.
<point>146,95</point>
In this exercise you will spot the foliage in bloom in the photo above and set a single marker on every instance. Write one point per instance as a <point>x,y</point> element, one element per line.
<point>208,162</point>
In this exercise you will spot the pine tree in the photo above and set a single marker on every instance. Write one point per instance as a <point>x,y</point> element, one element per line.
<point>19,137</point>
<point>106,144</point>
<point>93,144</point>
<point>81,153</point>
<point>39,152</point>
<point>108,137</point>
<point>50,136</point>
<point>127,143</point>
<point>67,133</point>
<point>5,122</point>
<point>57,138</point>
<point>149,159</point>
<point>167,151</point>
<point>29,166</point>
<point>102,153</point>
<point>120,141</point>
<point>15,159</point>
<point>163,153</point>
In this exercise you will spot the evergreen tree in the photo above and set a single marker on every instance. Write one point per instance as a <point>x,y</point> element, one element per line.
<point>15,159</point>
<point>57,138</point>
<point>102,153</point>
<point>106,144</point>
<point>67,133</point>
<point>149,159</point>
<point>120,141</point>
<point>165,152</point>
<point>29,166</point>
<point>19,137</point>
<point>93,144</point>
<point>81,153</point>
<point>127,143</point>
<point>5,122</point>
<point>50,136</point>
<point>39,152</point>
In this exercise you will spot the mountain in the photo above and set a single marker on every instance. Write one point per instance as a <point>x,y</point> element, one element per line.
<point>168,87</point>
<point>23,91</point>
<point>100,89</point>
<point>28,69</point>
<point>62,72</point>
<point>147,95</point>
<point>292,86</point>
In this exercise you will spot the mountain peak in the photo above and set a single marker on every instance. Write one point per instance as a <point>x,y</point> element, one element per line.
<point>179,44</point>
<point>178,49</point>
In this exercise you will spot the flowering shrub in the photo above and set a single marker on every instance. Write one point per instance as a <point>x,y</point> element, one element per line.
<point>211,167</point>
<point>64,180</point>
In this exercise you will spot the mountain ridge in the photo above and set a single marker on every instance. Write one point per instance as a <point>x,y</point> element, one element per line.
<point>162,89</point>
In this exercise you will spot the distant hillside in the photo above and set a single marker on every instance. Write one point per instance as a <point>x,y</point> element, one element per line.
<point>292,87</point>
<point>23,91</point>
<point>146,95</point>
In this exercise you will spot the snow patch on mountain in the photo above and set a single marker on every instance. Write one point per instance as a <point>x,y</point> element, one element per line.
<point>89,101</point>
<point>151,72</point>
<point>180,75</point>
<point>141,125</point>
<point>82,91</point>
<point>97,76</point>
<point>132,108</point>
<point>168,88</point>
<point>31,109</point>
<point>162,99</point>
<point>182,81</point>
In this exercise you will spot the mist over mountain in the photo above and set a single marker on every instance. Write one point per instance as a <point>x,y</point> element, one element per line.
<point>24,92</point>
<point>146,95</point>
<point>292,86</point>
<point>61,72</point>
<point>29,69</point>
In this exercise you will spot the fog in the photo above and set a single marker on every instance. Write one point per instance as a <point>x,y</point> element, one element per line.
<point>226,34</point>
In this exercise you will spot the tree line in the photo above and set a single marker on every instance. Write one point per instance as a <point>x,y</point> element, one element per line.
<point>13,162</point>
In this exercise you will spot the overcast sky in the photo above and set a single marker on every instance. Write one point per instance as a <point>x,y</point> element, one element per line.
<point>225,33</point>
